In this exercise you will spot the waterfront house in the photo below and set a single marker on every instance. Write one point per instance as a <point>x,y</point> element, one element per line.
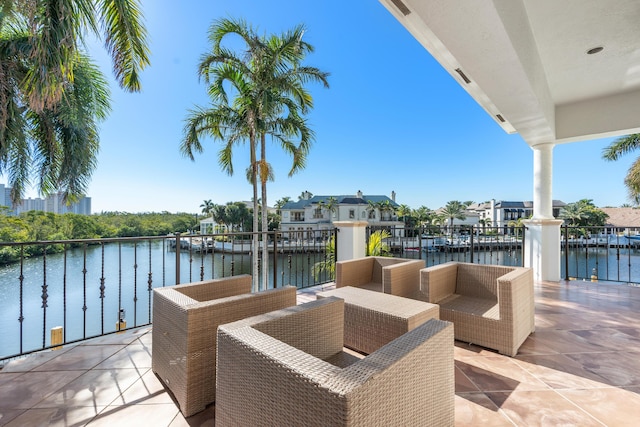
<point>501,213</point>
<point>623,220</point>
<point>302,219</point>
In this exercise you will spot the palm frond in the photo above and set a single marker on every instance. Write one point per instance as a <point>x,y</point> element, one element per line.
<point>621,146</point>
<point>125,40</point>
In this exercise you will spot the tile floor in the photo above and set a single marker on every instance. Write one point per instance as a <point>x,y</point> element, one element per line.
<point>580,368</point>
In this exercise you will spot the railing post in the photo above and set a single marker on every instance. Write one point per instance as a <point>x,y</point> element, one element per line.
<point>335,244</point>
<point>177,258</point>
<point>471,242</point>
<point>566,251</point>
<point>275,260</point>
<point>523,242</point>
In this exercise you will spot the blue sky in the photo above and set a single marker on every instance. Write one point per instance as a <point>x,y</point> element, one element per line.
<point>392,120</point>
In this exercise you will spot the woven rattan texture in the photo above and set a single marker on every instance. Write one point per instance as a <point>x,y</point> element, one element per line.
<point>263,381</point>
<point>491,306</point>
<point>184,333</point>
<point>394,276</point>
<point>372,319</point>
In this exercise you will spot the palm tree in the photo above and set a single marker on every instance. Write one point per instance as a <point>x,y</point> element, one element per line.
<point>376,245</point>
<point>454,210</point>
<point>270,100</point>
<point>404,211</point>
<point>424,215</point>
<point>56,30</point>
<point>52,96</point>
<point>331,204</point>
<point>328,265</point>
<point>485,222</point>
<point>305,195</point>
<point>372,207</point>
<point>207,207</point>
<point>385,206</point>
<point>280,203</point>
<point>617,149</point>
<point>573,213</point>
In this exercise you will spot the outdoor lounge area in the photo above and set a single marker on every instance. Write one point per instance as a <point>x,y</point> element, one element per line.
<point>580,367</point>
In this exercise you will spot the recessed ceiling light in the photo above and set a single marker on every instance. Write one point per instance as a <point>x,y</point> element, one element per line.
<point>594,50</point>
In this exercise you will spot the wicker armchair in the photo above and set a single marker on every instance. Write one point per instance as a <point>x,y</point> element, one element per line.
<point>489,305</point>
<point>185,320</point>
<point>395,276</point>
<point>288,368</point>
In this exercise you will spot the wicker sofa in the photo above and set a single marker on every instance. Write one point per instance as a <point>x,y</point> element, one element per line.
<point>185,320</point>
<point>382,274</point>
<point>489,305</point>
<point>288,368</point>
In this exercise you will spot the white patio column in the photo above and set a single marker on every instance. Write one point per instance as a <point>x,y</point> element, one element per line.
<point>542,236</point>
<point>351,239</point>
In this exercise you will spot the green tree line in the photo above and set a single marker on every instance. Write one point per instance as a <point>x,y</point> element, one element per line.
<point>37,226</point>
<point>40,226</point>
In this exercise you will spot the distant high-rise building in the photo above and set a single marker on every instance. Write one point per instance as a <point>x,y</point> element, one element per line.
<point>30,204</point>
<point>53,203</point>
<point>5,199</point>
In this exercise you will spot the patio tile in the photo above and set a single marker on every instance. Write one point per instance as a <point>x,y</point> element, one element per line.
<point>617,368</point>
<point>7,415</point>
<point>94,388</point>
<point>563,341</point>
<point>463,349</point>
<point>205,418</point>
<point>135,355</point>
<point>147,390</point>
<point>574,319</point>
<point>476,409</point>
<point>611,406</point>
<point>80,357</point>
<point>25,390</point>
<point>498,373</point>
<point>560,372</point>
<point>34,360</point>
<point>464,384</point>
<point>157,415</point>
<point>124,337</point>
<point>609,338</point>
<point>541,408</point>
<point>532,346</point>
<point>78,416</point>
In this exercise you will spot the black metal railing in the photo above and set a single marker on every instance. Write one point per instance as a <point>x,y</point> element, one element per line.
<point>600,253</point>
<point>440,244</point>
<point>588,253</point>
<point>88,287</point>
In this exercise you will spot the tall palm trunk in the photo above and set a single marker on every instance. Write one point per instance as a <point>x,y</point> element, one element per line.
<point>265,219</point>
<point>255,246</point>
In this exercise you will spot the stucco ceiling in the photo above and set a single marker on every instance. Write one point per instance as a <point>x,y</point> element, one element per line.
<point>527,65</point>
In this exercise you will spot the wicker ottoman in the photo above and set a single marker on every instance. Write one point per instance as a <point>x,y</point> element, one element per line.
<point>373,319</point>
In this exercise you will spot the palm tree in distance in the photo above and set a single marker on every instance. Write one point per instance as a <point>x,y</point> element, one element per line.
<point>331,205</point>
<point>52,96</point>
<point>304,195</point>
<point>207,207</point>
<point>269,99</point>
<point>485,222</point>
<point>454,210</point>
<point>403,212</point>
<point>280,203</point>
<point>617,149</point>
<point>424,215</point>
